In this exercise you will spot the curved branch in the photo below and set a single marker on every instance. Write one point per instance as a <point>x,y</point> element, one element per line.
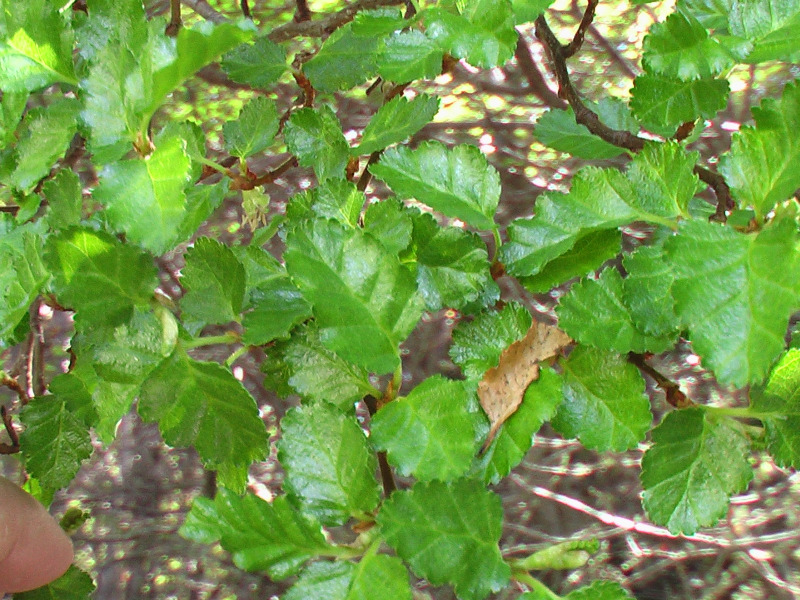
<point>329,24</point>
<point>623,139</point>
<point>580,34</point>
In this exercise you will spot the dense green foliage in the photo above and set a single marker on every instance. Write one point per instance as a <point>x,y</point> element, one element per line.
<point>96,186</point>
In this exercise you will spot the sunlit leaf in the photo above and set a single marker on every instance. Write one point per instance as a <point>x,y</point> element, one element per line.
<point>604,401</point>
<point>364,301</point>
<point>330,469</point>
<point>448,533</point>
<point>261,536</point>
<point>98,276</point>
<point>695,464</point>
<point>201,404</point>
<point>430,432</point>
<point>344,61</point>
<point>458,181</point>
<point>35,46</point>
<point>397,120</point>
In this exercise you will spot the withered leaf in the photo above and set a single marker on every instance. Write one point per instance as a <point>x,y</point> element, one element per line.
<point>502,388</point>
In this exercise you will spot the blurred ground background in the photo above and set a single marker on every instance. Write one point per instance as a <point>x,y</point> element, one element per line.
<point>138,491</point>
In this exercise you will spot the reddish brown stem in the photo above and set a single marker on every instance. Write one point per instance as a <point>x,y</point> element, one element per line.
<point>671,389</point>
<point>580,34</point>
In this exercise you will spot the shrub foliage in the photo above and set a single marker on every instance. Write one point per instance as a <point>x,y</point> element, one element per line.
<point>98,185</point>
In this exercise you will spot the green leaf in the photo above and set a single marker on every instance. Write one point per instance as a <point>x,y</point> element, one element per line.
<point>195,48</point>
<point>201,201</point>
<point>378,21</point>
<point>64,199</point>
<point>261,536</point>
<point>144,197</point>
<point>593,312</point>
<point>125,20</point>
<point>600,590</point>
<point>409,55</point>
<point>452,265</point>
<point>336,199</point>
<point>604,401</point>
<point>647,291</point>
<point>12,105</point>
<point>390,222</point>
<point>695,464</point>
<point>587,255</point>
<point>380,577</point>
<point>98,276</point>
<point>56,439</point>
<point>35,46</point>
<point>72,585</point>
<point>315,137</point>
<point>760,167</point>
<point>681,48</point>
<point>122,52</point>
<point>779,403</point>
<point>448,533</point>
<point>365,302</point>
<point>375,577</point>
<point>46,134</point>
<point>664,179</point>
<point>215,280</point>
<point>736,293</point>
<point>712,14</point>
<point>483,33</point>
<point>458,182</point>
<point>132,350</point>
<point>112,402</point>
<point>276,303</point>
<point>526,11</point>
<point>330,469</point>
<point>396,121</point>
<point>323,580</point>
<point>477,344</point>
<point>657,187</point>
<point>344,61</point>
<point>253,131</point>
<point>616,114</point>
<point>771,24</point>
<point>662,103</point>
<point>430,432</point>
<point>259,64</point>
<point>201,404</point>
<point>515,436</point>
<point>303,365</point>
<point>559,130</point>
<point>23,275</point>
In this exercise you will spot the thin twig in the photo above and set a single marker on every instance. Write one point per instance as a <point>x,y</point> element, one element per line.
<point>13,447</point>
<point>246,9</point>
<point>39,383</point>
<point>242,183</point>
<point>366,176</point>
<point>327,25</point>
<point>580,34</point>
<point>671,389</point>
<point>204,9</point>
<point>387,477</point>
<point>303,12</point>
<point>174,25</point>
<point>14,386</point>
<point>623,139</point>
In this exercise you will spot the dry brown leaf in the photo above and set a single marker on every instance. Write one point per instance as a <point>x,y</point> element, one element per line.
<point>502,387</point>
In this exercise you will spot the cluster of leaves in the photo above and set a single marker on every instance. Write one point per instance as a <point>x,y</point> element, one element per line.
<point>356,277</point>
